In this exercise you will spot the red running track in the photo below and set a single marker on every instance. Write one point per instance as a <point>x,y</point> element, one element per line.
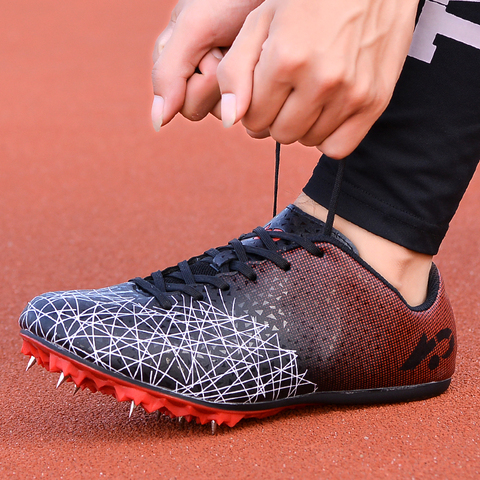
<point>91,196</point>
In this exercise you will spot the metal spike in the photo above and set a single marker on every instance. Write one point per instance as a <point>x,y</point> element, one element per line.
<point>31,363</point>
<point>76,390</point>
<point>132,408</point>
<point>61,379</point>
<point>214,426</point>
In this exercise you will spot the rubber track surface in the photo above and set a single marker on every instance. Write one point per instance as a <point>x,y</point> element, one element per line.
<point>91,196</point>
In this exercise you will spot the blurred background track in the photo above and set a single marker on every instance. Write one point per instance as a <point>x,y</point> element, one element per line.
<point>91,196</point>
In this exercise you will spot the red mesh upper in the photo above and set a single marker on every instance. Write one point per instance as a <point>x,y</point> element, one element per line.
<point>351,330</point>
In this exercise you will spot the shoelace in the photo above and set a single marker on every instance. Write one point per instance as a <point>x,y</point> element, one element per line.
<point>333,199</point>
<point>231,258</point>
<point>190,278</point>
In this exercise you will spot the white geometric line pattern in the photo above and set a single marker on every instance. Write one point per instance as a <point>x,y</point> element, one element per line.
<point>195,349</point>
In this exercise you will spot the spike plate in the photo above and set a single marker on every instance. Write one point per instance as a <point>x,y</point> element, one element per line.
<point>122,390</point>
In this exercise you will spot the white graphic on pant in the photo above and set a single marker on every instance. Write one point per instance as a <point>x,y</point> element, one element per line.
<point>435,20</point>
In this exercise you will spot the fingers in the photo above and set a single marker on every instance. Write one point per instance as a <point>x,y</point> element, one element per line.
<point>162,40</point>
<point>268,97</point>
<point>345,122</point>
<point>158,101</point>
<point>236,71</point>
<point>331,117</point>
<point>347,136</point>
<point>217,110</point>
<point>202,93</point>
<point>177,59</point>
<point>259,135</point>
<point>298,114</point>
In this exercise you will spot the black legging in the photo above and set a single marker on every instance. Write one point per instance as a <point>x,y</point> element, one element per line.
<point>405,180</point>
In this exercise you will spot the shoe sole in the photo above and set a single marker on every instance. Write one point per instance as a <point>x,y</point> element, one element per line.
<point>154,399</point>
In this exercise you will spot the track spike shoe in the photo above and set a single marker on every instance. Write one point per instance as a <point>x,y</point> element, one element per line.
<point>279,318</point>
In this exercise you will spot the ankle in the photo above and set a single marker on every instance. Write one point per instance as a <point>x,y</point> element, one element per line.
<point>406,270</point>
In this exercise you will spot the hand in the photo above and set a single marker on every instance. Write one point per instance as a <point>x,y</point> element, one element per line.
<point>187,46</point>
<point>316,71</point>
<point>202,93</point>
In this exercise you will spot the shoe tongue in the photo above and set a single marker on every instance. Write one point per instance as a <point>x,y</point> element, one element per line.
<point>294,220</point>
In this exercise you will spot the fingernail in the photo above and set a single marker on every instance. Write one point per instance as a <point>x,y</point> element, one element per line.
<point>157,112</point>
<point>229,109</point>
<point>217,53</point>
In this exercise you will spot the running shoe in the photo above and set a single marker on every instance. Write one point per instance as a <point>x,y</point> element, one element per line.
<point>282,317</point>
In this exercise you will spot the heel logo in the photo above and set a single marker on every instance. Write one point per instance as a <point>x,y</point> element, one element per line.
<point>425,347</point>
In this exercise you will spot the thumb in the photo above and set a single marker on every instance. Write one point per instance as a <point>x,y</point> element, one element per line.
<point>162,40</point>
<point>235,72</point>
<point>183,50</point>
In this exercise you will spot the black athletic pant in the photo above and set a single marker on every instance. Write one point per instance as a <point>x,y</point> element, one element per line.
<point>405,180</point>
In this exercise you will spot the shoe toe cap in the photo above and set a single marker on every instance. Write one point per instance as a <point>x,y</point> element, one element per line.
<point>41,315</point>
<point>59,316</point>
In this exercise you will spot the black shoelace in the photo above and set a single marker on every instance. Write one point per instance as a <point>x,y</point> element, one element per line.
<point>191,277</point>
<point>333,199</point>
